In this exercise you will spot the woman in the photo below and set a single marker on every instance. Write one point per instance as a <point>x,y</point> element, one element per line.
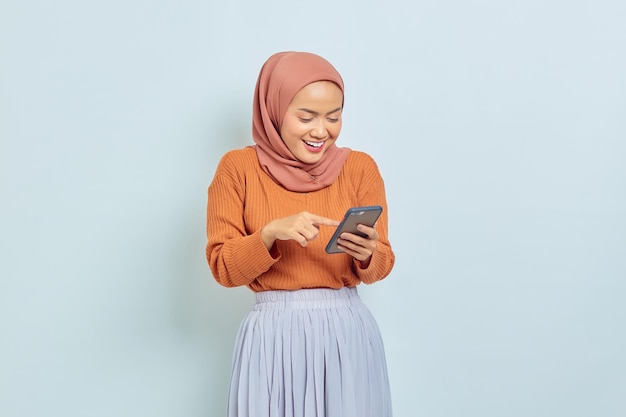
<point>309,347</point>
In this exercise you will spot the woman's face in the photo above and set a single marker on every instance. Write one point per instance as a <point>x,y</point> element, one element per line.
<point>312,121</point>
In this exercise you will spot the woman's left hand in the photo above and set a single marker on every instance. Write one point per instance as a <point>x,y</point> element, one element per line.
<point>360,248</point>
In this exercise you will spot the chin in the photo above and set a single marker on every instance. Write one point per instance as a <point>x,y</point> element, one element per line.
<point>310,161</point>
<point>309,158</point>
<point>313,157</point>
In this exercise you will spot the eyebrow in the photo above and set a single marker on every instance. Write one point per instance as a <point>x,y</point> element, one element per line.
<point>313,112</point>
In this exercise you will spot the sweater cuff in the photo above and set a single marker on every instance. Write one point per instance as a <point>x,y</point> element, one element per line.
<point>255,258</point>
<point>379,267</point>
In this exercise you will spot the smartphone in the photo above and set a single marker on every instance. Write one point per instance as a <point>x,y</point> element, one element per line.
<point>353,217</point>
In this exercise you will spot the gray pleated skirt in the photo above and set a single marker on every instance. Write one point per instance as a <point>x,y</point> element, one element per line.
<point>309,353</point>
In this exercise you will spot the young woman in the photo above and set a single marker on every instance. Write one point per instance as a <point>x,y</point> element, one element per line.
<point>309,347</point>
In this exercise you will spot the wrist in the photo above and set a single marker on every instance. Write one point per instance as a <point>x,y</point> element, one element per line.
<point>365,263</point>
<point>267,237</point>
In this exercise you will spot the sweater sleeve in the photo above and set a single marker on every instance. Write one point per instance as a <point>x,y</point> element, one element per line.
<point>371,191</point>
<point>235,257</point>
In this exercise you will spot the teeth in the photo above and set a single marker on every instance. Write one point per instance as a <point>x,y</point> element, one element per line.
<point>314,144</point>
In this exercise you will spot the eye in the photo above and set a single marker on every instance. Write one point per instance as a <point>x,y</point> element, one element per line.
<point>305,120</point>
<point>333,119</point>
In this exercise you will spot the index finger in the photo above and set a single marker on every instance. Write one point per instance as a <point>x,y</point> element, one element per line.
<point>317,220</point>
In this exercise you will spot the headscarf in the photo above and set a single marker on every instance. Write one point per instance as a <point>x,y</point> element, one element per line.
<point>281,77</point>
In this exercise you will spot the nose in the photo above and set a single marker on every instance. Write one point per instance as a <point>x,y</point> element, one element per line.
<point>319,131</point>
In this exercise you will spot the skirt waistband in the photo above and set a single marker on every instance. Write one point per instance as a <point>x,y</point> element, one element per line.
<point>306,298</point>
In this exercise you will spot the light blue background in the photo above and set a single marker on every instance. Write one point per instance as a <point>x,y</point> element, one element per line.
<point>499,127</point>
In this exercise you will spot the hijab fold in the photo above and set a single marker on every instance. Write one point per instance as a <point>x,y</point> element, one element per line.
<point>281,77</point>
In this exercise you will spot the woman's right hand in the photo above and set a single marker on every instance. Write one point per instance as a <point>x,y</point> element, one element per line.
<point>302,227</point>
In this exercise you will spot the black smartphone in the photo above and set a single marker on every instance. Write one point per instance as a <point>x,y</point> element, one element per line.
<point>353,217</point>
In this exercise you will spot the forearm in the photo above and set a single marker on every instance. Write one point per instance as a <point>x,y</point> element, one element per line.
<point>380,264</point>
<point>240,261</point>
<point>235,257</point>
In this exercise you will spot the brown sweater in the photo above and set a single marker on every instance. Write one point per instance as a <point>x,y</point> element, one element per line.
<point>243,199</point>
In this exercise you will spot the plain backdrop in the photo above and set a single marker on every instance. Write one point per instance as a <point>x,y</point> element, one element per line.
<point>500,130</point>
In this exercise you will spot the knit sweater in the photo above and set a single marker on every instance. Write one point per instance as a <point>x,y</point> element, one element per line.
<point>242,199</point>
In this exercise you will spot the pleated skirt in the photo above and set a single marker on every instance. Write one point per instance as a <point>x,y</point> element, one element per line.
<point>309,353</point>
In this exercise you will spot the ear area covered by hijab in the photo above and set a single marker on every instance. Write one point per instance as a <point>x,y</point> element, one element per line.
<point>281,77</point>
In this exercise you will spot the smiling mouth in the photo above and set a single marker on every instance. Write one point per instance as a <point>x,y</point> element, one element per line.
<point>316,145</point>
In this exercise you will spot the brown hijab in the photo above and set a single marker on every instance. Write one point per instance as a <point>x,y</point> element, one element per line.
<point>281,77</point>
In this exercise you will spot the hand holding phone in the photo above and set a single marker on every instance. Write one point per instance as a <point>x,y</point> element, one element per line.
<point>354,216</point>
